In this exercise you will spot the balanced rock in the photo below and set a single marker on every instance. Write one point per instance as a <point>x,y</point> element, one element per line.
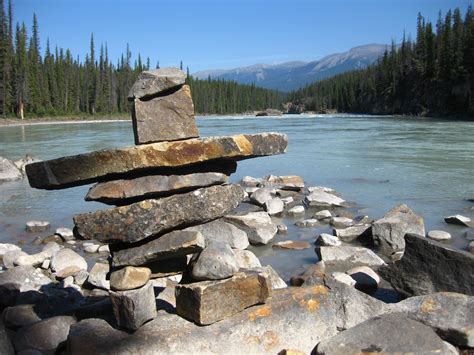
<point>156,157</point>
<point>153,82</point>
<point>388,232</point>
<point>167,117</point>
<point>119,192</point>
<point>129,278</point>
<point>132,308</point>
<point>220,230</point>
<point>143,219</point>
<point>458,220</point>
<point>258,226</point>
<point>171,245</point>
<point>216,262</point>
<point>207,302</point>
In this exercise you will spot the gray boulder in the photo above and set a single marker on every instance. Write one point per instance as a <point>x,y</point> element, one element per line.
<point>37,226</point>
<point>341,222</point>
<point>219,230</point>
<point>98,276</point>
<point>262,195</point>
<point>274,206</point>
<point>389,334</point>
<point>346,257</point>
<point>246,259</point>
<point>67,258</point>
<point>258,226</point>
<point>9,171</point>
<point>388,232</point>
<point>217,261</point>
<point>7,247</point>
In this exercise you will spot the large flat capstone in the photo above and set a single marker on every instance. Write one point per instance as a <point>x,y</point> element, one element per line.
<point>157,158</point>
<point>147,218</point>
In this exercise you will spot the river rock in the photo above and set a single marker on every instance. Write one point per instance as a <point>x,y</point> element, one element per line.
<point>120,192</point>
<point>406,336</point>
<point>307,223</point>
<point>37,226</point>
<point>246,259</point>
<point>388,232</point>
<point>98,276</point>
<point>296,210</point>
<point>458,220</point>
<point>65,258</point>
<point>323,215</point>
<point>258,226</point>
<point>217,261</point>
<point>346,257</point>
<point>132,308</point>
<point>262,195</point>
<point>20,279</point>
<point>143,219</point>
<point>428,267</point>
<point>352,233</point>
<point>207,302</point>
<point>288,182</point>
<point>156,157</point>
<point>292,244</point>
<point>165,117</point>
<point>129,278</point>
<point>366,279</point>
<point>449,314</point>
<point>438,235</point>
<point>274,206</point>
<point>153,82</point>
<point>341,222</point>
<point>329,240</point>
<point>219,230</point>
<point>171,245</point>
<point>8,171</point>
<point>321,199</point>
<point>45,336</point>
<point>19,316</point>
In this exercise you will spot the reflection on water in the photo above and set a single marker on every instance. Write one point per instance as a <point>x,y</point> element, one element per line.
<point>377,162</point>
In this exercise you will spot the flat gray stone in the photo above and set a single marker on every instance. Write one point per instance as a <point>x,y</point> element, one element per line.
<point>346,257</point>
<point>341,222</point>
<point>307,223</point>
<point>262,195</point>
<point>258,226</point>
<point>219,230</point>
<point>152,82</point>
<point>323,215</point>
<point>296,210</point>
<point>7,247</point>
<point>216,262</point>
<point>286,182</point>
<point>438,235</point>
<point>65,233</point>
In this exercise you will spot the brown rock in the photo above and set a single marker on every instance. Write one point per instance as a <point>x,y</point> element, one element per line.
<point>120,192</point>
<point>208,302</point>
<point>147,218</point>
<point>292,244</point>
<point>154,158</point>
<point>165,118</point>
<point>152,82</point>
<point>171,245</point>
<point>129,278</point>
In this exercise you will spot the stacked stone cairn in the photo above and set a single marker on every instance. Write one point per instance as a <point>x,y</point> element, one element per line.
<point>171,195</point>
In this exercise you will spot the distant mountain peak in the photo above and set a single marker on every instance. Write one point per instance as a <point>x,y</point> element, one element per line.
<point>296,74</point>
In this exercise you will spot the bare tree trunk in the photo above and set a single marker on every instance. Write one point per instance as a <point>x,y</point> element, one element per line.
<point>20,110</point>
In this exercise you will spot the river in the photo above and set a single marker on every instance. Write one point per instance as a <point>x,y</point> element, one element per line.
<point>375,162</point>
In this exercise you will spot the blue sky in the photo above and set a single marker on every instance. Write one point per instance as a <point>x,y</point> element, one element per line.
<point>212,34</point>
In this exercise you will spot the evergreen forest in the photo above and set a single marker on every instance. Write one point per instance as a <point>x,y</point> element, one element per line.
<point>430,76</point>
<point>61,84</point>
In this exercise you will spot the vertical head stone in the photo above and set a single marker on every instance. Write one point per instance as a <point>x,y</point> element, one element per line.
<point>153,82</point>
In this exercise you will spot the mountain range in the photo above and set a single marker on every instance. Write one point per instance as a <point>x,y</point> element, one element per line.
<point>294,75</point>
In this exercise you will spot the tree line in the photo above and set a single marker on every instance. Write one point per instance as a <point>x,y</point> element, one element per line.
<point>60,84</point>
<point>431,75</point>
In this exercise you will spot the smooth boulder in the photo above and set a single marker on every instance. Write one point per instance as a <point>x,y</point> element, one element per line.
<point>129,278</point>
<point>216,262</point>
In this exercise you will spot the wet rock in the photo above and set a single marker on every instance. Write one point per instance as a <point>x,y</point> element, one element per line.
<point>258,226</point>
<point>65,233</point>
<point>262,195</point>
<point>45,336</point>
<point>129,278</point>
<point>366,279</point>
<point>20,279</point>
<point>321,199</point>
<point>341,222</point>
<point>52,238</point>
<point>352,233</point>
<point>143,219</point>
<point>65,258</point>
<point>37,226</point>
<point>210,301</point>
<point>449,314</point>
<point>246,259</point>
<point>282,229</point>
<point>157,157</point>
<point>323,215</point>
<point>406,336</point>
<point>428,267</point>
<point>292,244</point>
<point>132,308</point>
<point>120,192</point>
<point>171,245</point>
<point>438,235</point>
<point>217,261</point>
<point>165,117</point>
<point>343,278</point>
<point>152,82</point>
<point>388,233</point>
<point>346,257</point>
<point>274,206</point>
<point>288,182</point>
<point>296,210</point>
<point>219,230</point>
<point>20,316</point>
<point>458,220</point>
<point>98,276</point>
<point>328,240</point>
<point>9,171</point>
<point>307,223</point>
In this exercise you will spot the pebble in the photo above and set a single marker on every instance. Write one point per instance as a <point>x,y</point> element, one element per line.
<point>439,235</point>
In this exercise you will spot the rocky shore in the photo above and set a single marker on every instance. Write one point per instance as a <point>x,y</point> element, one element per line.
<point>173,272</point>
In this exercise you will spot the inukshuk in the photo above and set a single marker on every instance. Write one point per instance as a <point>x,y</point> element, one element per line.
<point>169,181</point>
